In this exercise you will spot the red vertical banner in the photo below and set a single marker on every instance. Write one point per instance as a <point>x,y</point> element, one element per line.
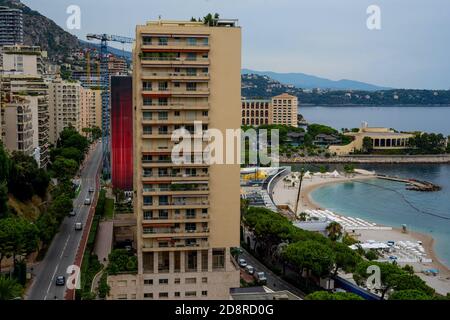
<point>122,132</point>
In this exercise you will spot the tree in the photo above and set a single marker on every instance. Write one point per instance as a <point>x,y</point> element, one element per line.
<point>10,289</point>
<point>346,259</point>
<point>409,295</point>
<point>18,237</point>
<point>210,20</point>
<point>72,153</point>
<point>371,255</point>
<point>367,144</point>
<point>349,169</point>
<point>324,295</point>
<point>5,164</point>
<point>119,195</point>
<point>310,255</point>
<point>334,231</point>
<point>3,199</point>
<point>64,168</point>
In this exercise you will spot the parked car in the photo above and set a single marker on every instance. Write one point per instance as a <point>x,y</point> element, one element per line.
<point>60,280</point>
<point>260,277</point>
<point>242,263</point>
<point>87,201</point>
<point>249,269</point>
<point>72,213</point>
<point>78,226</point>
<point>91,190</point>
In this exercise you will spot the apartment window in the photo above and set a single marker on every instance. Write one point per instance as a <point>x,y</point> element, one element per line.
<point>147,115</point>
<point>205,113</point>
<point>163,41</point>
<point>177,113</point>
<point>148,282</point>
<point>147,40</point>
<point>163,115</point>
<point>147,130</point>
<point>204,293</point>
<point>177,294</point>
<point>147,86</point>
<point>204,263</point>
<point>191,260</point>
<point>190,213</point>
<point>163,214</point>
<point>148,295</point>
<point>191,86</point>
<point>148,201</point>
<point>148,215</point>
<point>191,227</point>
<point>190,294</point>
<point>162,101</point>
<point>121,297</point>
<point>191,71</point>
<point>191,281</point>
<point>162,86</point>
<point>204,280</point>
<point>191,41</point>
<point>177,261</point>
<point>163,281</point>
<point>218,256</point>
<point>163,295</point>
<point>177,281</point>
<point>191,56</point>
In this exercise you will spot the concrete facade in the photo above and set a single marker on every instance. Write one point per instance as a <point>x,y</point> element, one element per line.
<point>187,215</point>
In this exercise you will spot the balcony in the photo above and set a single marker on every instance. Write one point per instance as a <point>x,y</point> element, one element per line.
<point>176,177</point>
<point>175,120</point>
<point>177,106</point>
<point>156,46</point>
<point>174,246</point>
<point>177,218</point>
<point>173,232</point>
<point>178,205</point>
<point>149,191</point>
<point>173,61</point>
<point>176,76</point>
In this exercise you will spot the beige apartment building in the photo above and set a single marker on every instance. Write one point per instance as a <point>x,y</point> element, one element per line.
<point>21,77</point>
<point>18,127</point>
<point>64,107</point>
<point>90,108</point>
<point>281,109</point>
<point>187,214</point>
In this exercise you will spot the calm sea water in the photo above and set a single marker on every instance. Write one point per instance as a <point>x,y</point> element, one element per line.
<point>389,203</point>
<point>420,118</point>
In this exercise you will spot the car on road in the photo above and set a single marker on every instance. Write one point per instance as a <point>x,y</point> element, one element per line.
<point>87,201</point>
<point>78,226</point>
<point>249,269</point>
<point>60,280</point>
<point>260,277</point>
<point>72,213</point>
<point>91,190</point>
<point>242,263</point>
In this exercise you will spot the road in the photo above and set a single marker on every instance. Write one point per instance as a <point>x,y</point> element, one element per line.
<point>62,251</point>
<point>274,282</point>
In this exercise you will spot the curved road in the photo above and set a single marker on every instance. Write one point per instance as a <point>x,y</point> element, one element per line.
<point>63,249</point>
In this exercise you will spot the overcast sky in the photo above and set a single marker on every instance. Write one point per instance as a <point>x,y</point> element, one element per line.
<point>327,38</point>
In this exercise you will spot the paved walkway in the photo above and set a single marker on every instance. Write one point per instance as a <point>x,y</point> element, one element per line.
<point>103,243</point>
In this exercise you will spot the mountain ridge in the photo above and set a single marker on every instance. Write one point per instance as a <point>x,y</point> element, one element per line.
<point>306,81</point>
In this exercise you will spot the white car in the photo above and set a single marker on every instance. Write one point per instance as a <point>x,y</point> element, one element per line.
<point>242,263</point>
<point>249,269</point>
<point>87,201</point>
<point>78,226</point>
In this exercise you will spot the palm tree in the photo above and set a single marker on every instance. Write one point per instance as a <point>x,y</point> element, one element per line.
<point>10,289</point>
<point>334,230</point>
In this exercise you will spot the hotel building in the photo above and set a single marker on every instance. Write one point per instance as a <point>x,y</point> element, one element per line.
<point>187,214</point>
<point>281,109</point>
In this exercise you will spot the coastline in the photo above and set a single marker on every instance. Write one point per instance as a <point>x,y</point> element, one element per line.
<point>441,282</point>
<point>384,159</point>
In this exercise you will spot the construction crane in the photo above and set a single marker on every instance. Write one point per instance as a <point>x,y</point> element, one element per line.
<point>105,85</point>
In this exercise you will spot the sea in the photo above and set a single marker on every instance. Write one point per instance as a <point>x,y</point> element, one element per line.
<point>388,202</point>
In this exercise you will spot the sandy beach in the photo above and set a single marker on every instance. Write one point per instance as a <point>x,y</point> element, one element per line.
<point>286,195</point>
